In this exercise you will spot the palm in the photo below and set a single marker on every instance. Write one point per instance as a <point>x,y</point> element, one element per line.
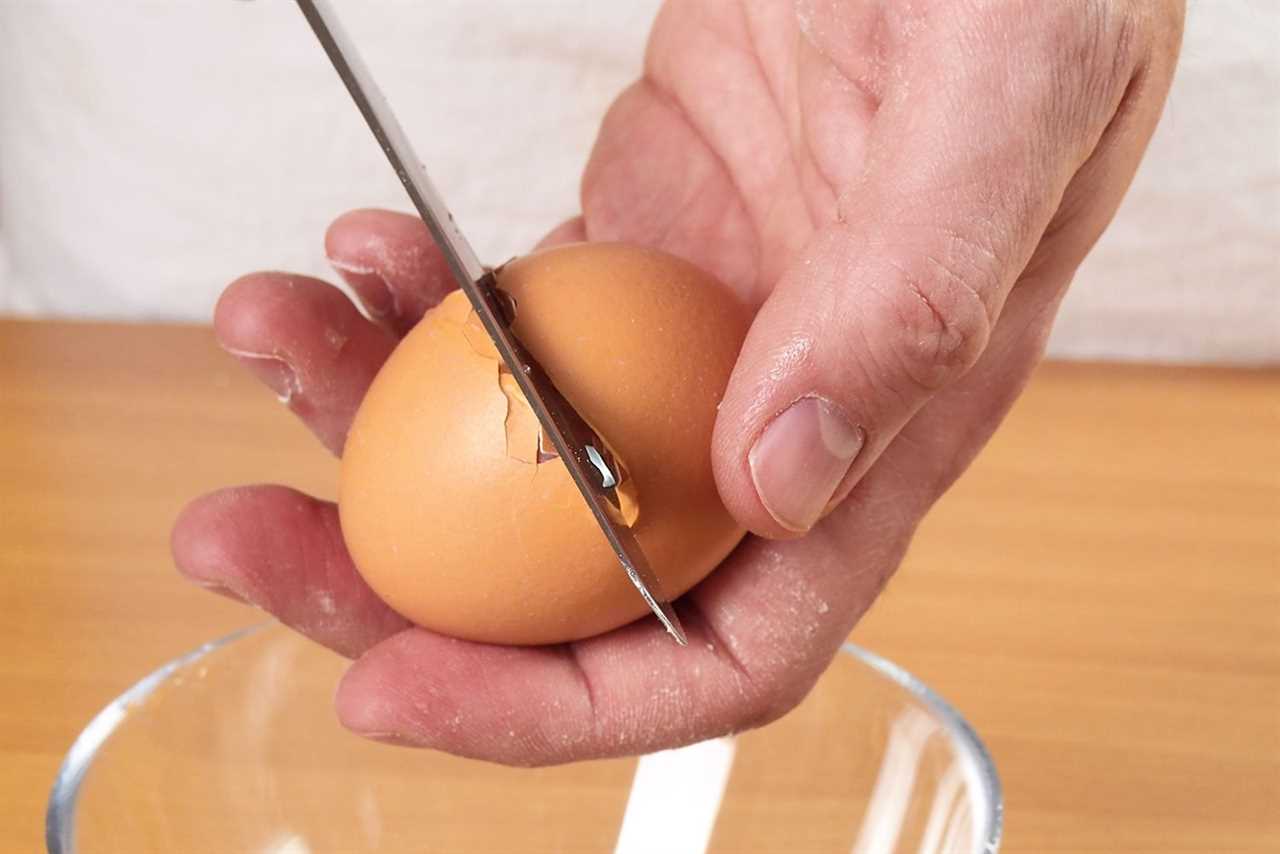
<point>742,138</point>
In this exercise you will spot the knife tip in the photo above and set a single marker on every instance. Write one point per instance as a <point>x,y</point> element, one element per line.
<point>671,622</point>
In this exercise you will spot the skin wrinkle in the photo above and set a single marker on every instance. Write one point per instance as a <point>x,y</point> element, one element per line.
<point>753,40</point>
<point>945,344</point>
<point>787,670</point>
<point>775,101</point>
<point>699,121</point>
<point>571,653</point>
<point>981,295</point>
<point>817,209</point>
<point>869,84</point>
<point>770,241</point>
<point>807,136</point>
<point>981,256</point>
<point>717,644</point>
<point>687,205</point>
<point>607,210</point>
<point>673,104</point>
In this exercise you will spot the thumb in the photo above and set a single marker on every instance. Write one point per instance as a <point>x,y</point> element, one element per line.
<point>897,297</point>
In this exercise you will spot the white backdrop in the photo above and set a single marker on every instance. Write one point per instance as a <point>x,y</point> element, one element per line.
<point>151,150</point>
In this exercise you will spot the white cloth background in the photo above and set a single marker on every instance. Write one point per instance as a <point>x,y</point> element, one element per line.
<point>151,150</point>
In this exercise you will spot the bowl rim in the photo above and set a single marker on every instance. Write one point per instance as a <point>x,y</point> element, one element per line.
<point>983,771</point>
<point>60,813</point>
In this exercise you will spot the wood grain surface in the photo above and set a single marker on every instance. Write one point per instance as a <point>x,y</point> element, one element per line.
<point>1100,595</point>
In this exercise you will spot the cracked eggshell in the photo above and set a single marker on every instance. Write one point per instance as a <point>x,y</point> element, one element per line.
<point>451,523</point>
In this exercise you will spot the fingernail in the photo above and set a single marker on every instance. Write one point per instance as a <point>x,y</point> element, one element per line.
<point>222,590</point>
<point>226,592</point>
<point>389,738</point>
<point>370,287</point>
<point>797,464</point>
<point>274,372</point>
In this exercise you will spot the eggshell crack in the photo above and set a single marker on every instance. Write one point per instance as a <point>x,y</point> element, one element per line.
<point>524,433</point>
<point>525,440</point>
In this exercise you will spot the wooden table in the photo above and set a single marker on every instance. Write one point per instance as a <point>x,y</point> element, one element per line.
<point>1100,595</point>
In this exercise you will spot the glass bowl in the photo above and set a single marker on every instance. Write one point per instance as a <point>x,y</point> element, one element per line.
<point>234,748</point>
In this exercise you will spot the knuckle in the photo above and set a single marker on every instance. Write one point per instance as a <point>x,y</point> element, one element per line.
<point>942,324</point>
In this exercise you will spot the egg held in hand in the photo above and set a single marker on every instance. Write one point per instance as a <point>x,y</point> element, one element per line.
<point>458,515</point>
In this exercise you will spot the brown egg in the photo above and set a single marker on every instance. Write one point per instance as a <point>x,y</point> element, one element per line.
<point>458,521</point>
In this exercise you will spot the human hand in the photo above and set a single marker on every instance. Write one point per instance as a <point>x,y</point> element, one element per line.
<point>903,191</point>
